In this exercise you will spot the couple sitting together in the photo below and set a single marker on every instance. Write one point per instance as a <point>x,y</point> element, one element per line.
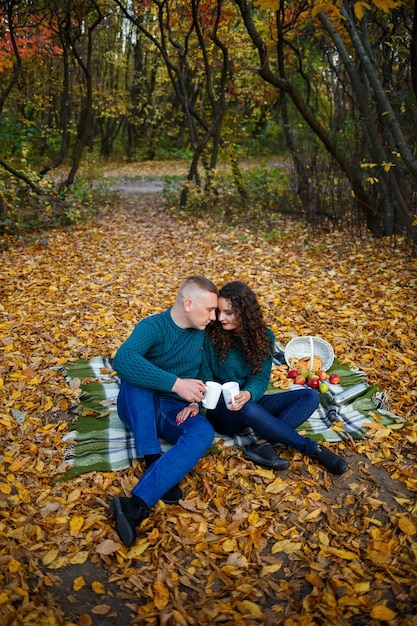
<point>163,365</point>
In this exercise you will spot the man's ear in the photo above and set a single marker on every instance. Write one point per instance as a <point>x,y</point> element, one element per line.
<point>187,304</point>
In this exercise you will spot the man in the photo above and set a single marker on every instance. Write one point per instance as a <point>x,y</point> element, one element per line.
<point>158,366</point>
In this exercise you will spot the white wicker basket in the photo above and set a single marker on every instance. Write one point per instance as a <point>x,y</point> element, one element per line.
<point>301,347</point>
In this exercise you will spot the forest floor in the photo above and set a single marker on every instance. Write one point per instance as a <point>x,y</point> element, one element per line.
<point>246,546</point>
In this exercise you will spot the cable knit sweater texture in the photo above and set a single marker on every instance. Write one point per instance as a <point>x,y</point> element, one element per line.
<point>157,352</point>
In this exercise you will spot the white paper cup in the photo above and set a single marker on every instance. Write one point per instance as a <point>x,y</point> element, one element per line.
<point>212,395</point>
<point>230,391</point>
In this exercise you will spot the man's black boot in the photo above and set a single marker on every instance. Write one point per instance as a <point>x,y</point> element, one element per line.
<point>332,462</point>
<point>128,513</point>
<point>173,495</point>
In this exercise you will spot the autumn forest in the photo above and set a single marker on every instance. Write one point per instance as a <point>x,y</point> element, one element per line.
<point>270,142</point>
<point>328,92</point>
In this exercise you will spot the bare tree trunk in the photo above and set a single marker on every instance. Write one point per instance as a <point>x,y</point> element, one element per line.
<point>383,141</point>
<point>380,95</point>
<point>350,170</point>
<point>302,174</point>
<point>202,130</point>
<point>3,212</point>
<point>388,211</point>
<point>413,51</point>
<point>65,104</point>
<point>86,115</point>
<point>17,67</point>
<point>4,94</point>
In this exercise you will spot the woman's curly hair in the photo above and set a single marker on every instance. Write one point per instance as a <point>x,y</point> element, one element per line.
<point>251,327</point>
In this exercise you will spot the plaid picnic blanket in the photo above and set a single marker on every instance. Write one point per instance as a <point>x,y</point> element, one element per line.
<point>99,441</point>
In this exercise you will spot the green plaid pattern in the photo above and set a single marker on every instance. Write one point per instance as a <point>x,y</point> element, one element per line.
<point>99,441</point>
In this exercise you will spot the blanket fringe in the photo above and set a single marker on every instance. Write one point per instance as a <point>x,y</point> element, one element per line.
<point>69,454</point>
<point>70,436</point>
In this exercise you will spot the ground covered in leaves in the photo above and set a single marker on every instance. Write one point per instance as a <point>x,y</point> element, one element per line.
<point>246,546</point>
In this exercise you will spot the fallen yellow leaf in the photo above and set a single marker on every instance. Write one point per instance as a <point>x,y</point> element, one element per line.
<point>76,523</point>
<point>161,595</point>
<point>407,525</point>
<point>230,545</point>
<point>14,565</point>
<point>253,609</point>
<point>50,556</point>
<point>287,546</point>
<point>78,583</point>
<point>139,548</point>
<point>338,552</point>
<point>382,612</point>
<point>271,569</point>
<point>98,587</point>
<point>79,558</point>
<point>312,515</point>
<point>253,518</point>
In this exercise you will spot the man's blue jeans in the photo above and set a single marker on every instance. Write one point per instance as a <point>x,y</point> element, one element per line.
<point>148,417</point>
<point>274,418</point>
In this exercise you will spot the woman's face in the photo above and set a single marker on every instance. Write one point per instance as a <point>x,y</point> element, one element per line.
<point>226,315</point>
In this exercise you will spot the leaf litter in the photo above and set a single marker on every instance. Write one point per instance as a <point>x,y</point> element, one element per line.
<point>246,546</point>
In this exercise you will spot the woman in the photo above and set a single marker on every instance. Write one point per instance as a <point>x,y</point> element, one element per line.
<point>239,347</point>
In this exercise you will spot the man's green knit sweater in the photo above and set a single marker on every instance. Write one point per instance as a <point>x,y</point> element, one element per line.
<point>158,352</point>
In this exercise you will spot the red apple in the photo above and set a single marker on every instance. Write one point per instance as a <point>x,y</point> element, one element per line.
<point>292,374</point>
<point>334,379</point>
<point>322,375</point>
<point>300,379</point>
<point>313,383</point>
